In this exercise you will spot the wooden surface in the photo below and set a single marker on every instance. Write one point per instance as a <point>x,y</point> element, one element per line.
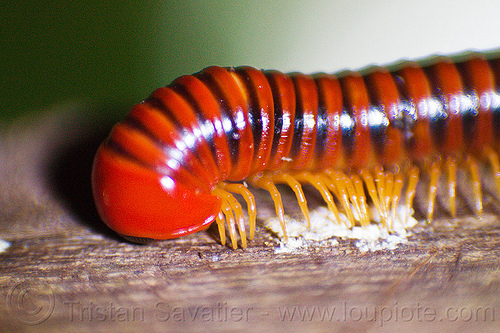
<point>65,271</point>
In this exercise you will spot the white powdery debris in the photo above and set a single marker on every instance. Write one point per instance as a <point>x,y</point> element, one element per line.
<point>4,245</point>
<point>324,226</point>
<point>290,246</point>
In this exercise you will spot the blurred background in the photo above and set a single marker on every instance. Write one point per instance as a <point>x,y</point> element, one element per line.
<point>120,51</point>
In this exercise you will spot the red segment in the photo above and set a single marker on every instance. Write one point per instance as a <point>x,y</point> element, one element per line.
<point>495,67</point>
<point>330,98</point>
<point>237,107</point>
<point>284,100</point>
<point>149,154</point>
<point>385,94</point>
<point>137,145</point>
<point>416,88</point>
<point>357,102</point>
<point>250,77</point>
<point>306,94</point>
<point>212,128</point>
<point>478,77</point>
<point>193,134</point>
<point>447,80</point>
<point>162,128</point>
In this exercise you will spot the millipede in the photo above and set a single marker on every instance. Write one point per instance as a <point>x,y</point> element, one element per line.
<point>184,157</point>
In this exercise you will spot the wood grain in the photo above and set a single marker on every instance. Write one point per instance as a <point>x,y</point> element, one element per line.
<point>63,261</point>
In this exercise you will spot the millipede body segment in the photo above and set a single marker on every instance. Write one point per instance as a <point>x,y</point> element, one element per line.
<point>175,163</point>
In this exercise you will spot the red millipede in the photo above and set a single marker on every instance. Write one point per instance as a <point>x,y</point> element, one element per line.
<point>173,165</point>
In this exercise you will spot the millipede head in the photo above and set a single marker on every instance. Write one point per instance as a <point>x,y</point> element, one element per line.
<point>140,203</point>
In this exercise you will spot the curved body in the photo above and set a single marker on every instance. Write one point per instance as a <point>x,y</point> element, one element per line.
<point>154,175</point>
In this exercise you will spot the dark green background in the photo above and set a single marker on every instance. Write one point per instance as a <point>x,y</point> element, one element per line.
<point>108,51</point>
